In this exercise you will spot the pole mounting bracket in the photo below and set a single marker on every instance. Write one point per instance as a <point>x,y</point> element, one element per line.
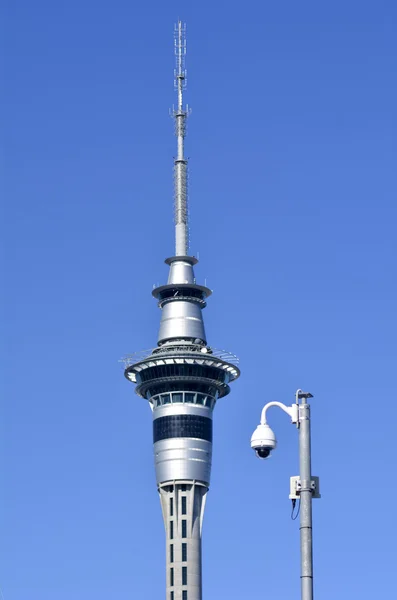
<point>296,486</point>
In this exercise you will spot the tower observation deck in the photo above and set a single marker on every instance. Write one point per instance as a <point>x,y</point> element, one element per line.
<point>182,379</point>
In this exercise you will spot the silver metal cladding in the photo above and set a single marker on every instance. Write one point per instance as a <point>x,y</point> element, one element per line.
<point>182,409</point>
<point>181,319</point>
<point>181,211</point>
<point>178,457</point>
<point>183,458</point>
<point>181,272</point>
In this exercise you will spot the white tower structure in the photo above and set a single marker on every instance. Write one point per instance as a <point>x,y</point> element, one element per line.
<point>182,379</point>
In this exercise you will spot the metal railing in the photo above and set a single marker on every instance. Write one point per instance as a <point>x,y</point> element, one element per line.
<point>175,351</point>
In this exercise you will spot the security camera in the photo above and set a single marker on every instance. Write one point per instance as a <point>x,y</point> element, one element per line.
<point>263,441</point>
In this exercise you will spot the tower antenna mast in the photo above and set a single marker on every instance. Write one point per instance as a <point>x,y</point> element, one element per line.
<point>180,162</point>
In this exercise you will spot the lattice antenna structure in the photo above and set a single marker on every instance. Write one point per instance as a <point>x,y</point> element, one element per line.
<point>180,162</point>
<point>180,54</point>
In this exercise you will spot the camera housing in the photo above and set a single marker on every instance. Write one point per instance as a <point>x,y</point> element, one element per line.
<point>263,441</point>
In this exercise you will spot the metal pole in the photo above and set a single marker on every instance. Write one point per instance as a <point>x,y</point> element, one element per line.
<point>306,492</point>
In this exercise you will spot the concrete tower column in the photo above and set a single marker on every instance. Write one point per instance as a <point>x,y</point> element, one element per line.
<point>183,509</point>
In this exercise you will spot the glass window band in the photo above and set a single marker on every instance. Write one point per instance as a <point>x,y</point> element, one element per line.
<point>182,426</point>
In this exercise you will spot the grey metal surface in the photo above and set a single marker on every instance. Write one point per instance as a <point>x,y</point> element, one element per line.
<point>181,272</point>
<point>306,541</point>
<point>190,259</point>
<point>183,458</point>
<point>182,409</point>
<point>182,319</point>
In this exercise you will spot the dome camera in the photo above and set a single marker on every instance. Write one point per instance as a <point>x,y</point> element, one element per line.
<point>263,441</point>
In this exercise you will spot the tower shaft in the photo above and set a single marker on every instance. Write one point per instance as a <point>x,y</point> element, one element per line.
<point>182,379</point>
<point>183,509</point>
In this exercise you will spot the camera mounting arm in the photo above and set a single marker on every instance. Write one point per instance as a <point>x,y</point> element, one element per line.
<point>292,411</point>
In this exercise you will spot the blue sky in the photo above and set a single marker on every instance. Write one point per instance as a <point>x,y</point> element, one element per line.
<point>293,212</point>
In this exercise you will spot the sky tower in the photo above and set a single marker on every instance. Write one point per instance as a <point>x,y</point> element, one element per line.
<point>182,379</point>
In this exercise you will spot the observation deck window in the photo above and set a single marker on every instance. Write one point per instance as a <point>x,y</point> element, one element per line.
<point>182,370</point>
<point>188,397</point>
<point>153,393</point>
